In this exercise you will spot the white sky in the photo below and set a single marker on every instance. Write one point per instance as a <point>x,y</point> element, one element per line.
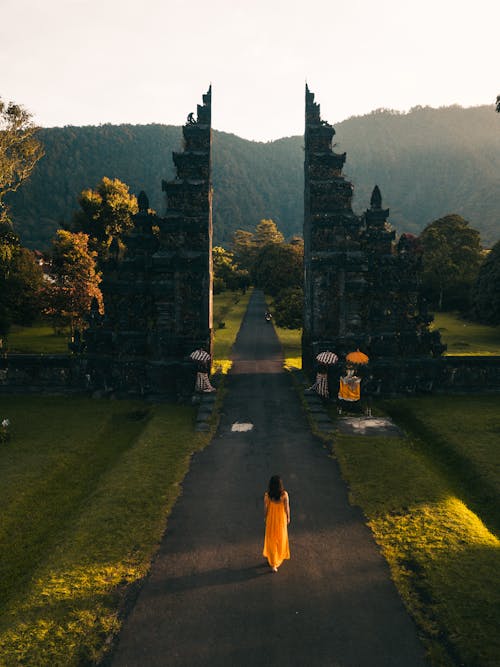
<point>86,62</point>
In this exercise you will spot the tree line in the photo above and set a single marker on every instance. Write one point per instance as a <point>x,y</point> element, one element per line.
<point>456,272</point>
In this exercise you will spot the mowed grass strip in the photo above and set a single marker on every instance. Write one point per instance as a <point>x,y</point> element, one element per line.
<point>443,558</point>
<point>229,308</point>
<point>291,342</point>
<point>86,487</point>
<point>461,434</point>
<point>465,338</point>
<point>38,339</point>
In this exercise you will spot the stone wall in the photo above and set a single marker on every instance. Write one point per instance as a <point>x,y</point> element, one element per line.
<point>414,376</point>
<point>84,374</point>
<point>72,374</point>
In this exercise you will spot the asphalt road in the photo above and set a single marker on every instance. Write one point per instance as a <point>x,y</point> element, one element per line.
<point>211,599</point>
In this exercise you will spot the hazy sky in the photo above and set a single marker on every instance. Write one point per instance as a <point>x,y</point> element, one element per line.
<point>82,62</point>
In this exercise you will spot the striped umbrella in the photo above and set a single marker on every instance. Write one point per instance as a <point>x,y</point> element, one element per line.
<point>357,357</point>
<point>200,355</point>
<point>328,358</point>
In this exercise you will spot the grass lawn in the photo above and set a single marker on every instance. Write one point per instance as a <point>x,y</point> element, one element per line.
<point>229,309</point>
<point>291,342</point>
<point>432,502</point>
<point>86,487</point>
<point>466,338</point>
<point>461,336</point>
<point>39,339</point>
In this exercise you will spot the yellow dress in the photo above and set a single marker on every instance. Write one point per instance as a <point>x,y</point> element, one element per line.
<point>276,547</point>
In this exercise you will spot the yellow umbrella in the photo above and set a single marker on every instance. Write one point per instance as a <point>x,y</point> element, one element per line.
<point>357,357</point>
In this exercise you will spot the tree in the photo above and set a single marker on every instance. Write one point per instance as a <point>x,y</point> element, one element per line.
<point>227,274</point>
<point>451,258</point>
<point>279,266</point>
<point>243,245</point>
<point>9,243</point>
<point>20,150</point>
<point>21,281</point>
<point>24,288</point>
<point>76,280</point>
<point>106,214</point>
<point>487,288</point>
<point>267,233</point>
<point>247,245</point>
<point>289,308</point>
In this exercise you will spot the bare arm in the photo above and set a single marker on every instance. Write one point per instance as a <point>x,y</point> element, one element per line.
<point>266,505</point>
<point>287,507</point>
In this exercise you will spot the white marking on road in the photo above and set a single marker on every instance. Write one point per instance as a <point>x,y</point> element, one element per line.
<point>241,427</point>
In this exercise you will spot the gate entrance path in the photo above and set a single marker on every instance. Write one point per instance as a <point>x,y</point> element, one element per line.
<point>211,599</point>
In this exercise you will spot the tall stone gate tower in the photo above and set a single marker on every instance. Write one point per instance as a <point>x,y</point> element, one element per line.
<point>333,261</point>
<point>361,286</point>
<point>158,291</point>
<point>182,266</point>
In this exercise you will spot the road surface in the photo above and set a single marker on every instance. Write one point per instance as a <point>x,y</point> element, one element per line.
<point>212,600</point>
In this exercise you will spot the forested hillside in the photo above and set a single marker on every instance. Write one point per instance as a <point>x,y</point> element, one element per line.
<point>428,162</point>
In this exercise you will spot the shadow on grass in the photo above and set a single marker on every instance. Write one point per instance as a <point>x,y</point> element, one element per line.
<point>461,473</point>
<point>463,619</point>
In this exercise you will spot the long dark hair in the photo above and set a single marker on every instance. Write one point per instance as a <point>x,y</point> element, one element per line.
<point>275,489</point>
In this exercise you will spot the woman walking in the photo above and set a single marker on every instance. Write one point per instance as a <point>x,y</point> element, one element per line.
<point>277,518</point>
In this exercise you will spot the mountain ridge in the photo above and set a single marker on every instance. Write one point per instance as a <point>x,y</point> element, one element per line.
<point>427,162</point>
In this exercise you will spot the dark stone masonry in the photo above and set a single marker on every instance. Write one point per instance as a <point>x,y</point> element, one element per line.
<point>361,287</point>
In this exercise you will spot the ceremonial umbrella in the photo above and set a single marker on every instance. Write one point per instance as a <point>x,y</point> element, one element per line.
<point>199,355</point>
<point>357,357</point>
<point>328,358</point>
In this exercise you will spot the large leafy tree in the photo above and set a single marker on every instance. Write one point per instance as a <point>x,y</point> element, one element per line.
<point>9,245</point>
<point>267,233</point>
<point>20,150</point>
<point>247,245</point>
<point>24,287</point>
<point>227,274</point>
<point>21,281</point>
<point>451,258</point>
<point>106,214</point>
<point>76,280</point>
<point>289,308</point>
<point>279,266</point>
<point>243,248</point>
<point>487,288</point>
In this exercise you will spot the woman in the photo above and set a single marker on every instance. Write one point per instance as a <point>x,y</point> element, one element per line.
<point>277,518</point>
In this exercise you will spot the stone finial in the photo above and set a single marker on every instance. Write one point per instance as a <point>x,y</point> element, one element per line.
<point>376,199</point>
<point>143,202</point>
